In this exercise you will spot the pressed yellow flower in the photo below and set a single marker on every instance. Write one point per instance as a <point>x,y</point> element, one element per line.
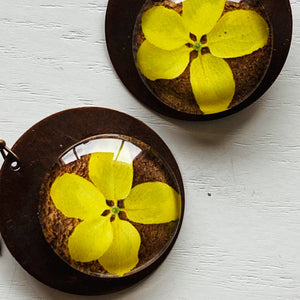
<point>114,242</point>
<point>165,53</point>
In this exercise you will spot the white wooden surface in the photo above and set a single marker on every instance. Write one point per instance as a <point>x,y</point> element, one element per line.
<point>240,243</point>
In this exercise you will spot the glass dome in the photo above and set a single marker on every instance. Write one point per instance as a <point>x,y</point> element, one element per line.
<point>202,57</point>
<point>110,206</point>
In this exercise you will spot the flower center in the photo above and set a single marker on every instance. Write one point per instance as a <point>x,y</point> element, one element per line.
<point>115,210</point>
<point>197,46</point>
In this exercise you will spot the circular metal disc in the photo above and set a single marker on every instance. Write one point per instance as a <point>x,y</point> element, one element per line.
<point>120,21</point>
<point>37,150</point>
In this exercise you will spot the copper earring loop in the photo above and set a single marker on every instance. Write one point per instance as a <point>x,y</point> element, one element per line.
<point>8,154</point>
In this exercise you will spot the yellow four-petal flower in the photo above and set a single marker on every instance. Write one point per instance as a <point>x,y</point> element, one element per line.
<point>114,243</point>
<point>165,52</point>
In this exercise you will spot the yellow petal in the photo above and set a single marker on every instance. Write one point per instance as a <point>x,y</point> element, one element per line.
<point>238,33</point>
<point>155,63</point>
<point>164,28</point>
<point>77,197</point>
<point>212,83</point>
<point>122,255</point>
<point>200,16</point>
<point>113,177</point>
<point>91,239</point>
<point>152,203</point>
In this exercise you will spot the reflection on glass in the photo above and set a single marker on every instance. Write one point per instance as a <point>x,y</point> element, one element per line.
<point>119,147</point>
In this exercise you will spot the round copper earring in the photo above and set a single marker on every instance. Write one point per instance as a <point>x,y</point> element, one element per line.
<point>91,200</point>
<point>198,60</point>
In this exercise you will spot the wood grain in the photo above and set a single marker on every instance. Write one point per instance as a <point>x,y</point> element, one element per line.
<point>241,234</point>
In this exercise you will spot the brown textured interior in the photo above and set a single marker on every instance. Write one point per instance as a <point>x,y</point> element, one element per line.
<point>248,70</point>
<point>57,228</point>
